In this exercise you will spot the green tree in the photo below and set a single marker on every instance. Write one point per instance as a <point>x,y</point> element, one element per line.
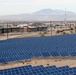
<point>37,24</point>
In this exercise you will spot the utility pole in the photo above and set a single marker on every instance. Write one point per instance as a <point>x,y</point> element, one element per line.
<point>51,28</point>
<point>65,20</point>
<point>7,30</point>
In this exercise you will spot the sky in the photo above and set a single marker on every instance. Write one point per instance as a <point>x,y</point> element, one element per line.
<point>10,7</point>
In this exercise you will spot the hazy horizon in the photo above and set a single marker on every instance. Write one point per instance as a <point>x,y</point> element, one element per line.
<point>11,7</point>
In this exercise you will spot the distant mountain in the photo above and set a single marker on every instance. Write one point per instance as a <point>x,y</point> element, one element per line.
<point>52,12</point>
<point>42,15</point>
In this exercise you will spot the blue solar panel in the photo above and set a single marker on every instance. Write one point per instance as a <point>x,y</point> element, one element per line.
<point>39,70</point>
<point>26,48</point>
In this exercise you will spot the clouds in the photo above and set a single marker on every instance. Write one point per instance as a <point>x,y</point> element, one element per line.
<point>28,6</point>
<point>38,1</point>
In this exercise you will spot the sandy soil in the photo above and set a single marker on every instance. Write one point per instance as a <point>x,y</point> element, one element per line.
<point>35,62</point>
<point>41,61</point>
<point>32,34</point>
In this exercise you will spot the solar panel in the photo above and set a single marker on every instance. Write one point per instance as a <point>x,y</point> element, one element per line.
<point>39,70</point>
<point>26,48</point>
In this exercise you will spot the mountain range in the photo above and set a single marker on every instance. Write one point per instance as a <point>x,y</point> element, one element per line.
<point>42,15</point>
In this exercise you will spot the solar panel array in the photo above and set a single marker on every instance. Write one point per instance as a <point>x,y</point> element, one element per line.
<point>39,70</point>
<point>25,48</point>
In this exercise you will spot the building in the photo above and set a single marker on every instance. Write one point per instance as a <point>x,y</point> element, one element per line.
<point>36,28</point>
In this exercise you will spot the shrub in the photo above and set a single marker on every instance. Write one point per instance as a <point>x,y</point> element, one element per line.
<point>64,32</point>
<point>58,31</point>
<point>42,34</point>
<point>71,29</point>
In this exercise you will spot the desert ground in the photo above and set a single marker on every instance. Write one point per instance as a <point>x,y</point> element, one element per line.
<point>71,62</point>
<point>49,32</point>
<point>39,61</point>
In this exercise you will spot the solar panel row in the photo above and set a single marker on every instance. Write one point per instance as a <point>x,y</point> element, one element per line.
<point>25,48</point>
<point>39,70</point>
